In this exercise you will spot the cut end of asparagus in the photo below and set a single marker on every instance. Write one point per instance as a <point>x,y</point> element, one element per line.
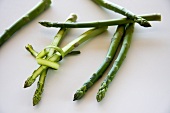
<point>46,24</point>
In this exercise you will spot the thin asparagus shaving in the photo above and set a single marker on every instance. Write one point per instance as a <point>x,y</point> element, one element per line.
<point>51,64</point>
<point>117,63</point>
<point>67,49</point>
<point>111,22</point>
<point>37,10</point>
<point>109,57</point>
<point>121,10</point>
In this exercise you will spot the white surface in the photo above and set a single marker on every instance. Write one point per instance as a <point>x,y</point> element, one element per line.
<point>142,84</point>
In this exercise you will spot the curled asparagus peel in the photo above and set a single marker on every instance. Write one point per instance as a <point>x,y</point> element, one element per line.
<point>117,63</point>
<point>41,7</point>
<point>111,22</point>
<point>46,54</point>
<point>121,10</point>
<point>109,57</point>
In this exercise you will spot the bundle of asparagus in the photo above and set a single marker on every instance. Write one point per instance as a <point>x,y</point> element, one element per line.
<point>49,57</point>
<point>124,32</point>
<point>52,54</point>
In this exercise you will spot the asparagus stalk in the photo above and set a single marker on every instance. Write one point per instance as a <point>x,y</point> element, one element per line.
<point>121,10</point>
<point>109,57</point>
<point>117,63</point>
<point>111,22</point>
<point>41,7</point>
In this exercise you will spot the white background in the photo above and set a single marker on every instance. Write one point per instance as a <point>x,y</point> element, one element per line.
<point>142,84</point>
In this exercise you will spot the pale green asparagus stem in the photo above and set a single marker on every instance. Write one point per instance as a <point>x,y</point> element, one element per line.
<point>67,49</point>
<point>109,57</point>
<point>111,22</point>
<point>41,7</point>
<point>121,10</point>
<point>117,63</point>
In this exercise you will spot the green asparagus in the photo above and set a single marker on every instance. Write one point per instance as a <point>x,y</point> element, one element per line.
<point>117,63</point>
<point>41,7</point>
<point>111,22</point>
<point>109,57</point>
<point>121,10</point>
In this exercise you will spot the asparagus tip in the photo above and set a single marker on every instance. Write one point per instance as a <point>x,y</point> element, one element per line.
<point>26,84</point>
<point>29,82</point>
<point>101,94</point>
<point>46,24</point>
<point>146,24</point>
<point>78,95</point>
<point>37,97</point>
<point>143,22</point>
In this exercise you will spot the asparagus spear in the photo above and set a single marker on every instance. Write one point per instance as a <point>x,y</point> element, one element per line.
<point>111,22</point>
<point>41,7</point>
<point>109,57</point>
<point>117,63</point>
<point>121,10</point>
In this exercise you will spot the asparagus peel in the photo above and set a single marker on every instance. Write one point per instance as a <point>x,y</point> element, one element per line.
<point>111,22</point>
<point>109,57</point>
<point>117,63</point>
<point>121,10</point>
<point>41,7</point>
